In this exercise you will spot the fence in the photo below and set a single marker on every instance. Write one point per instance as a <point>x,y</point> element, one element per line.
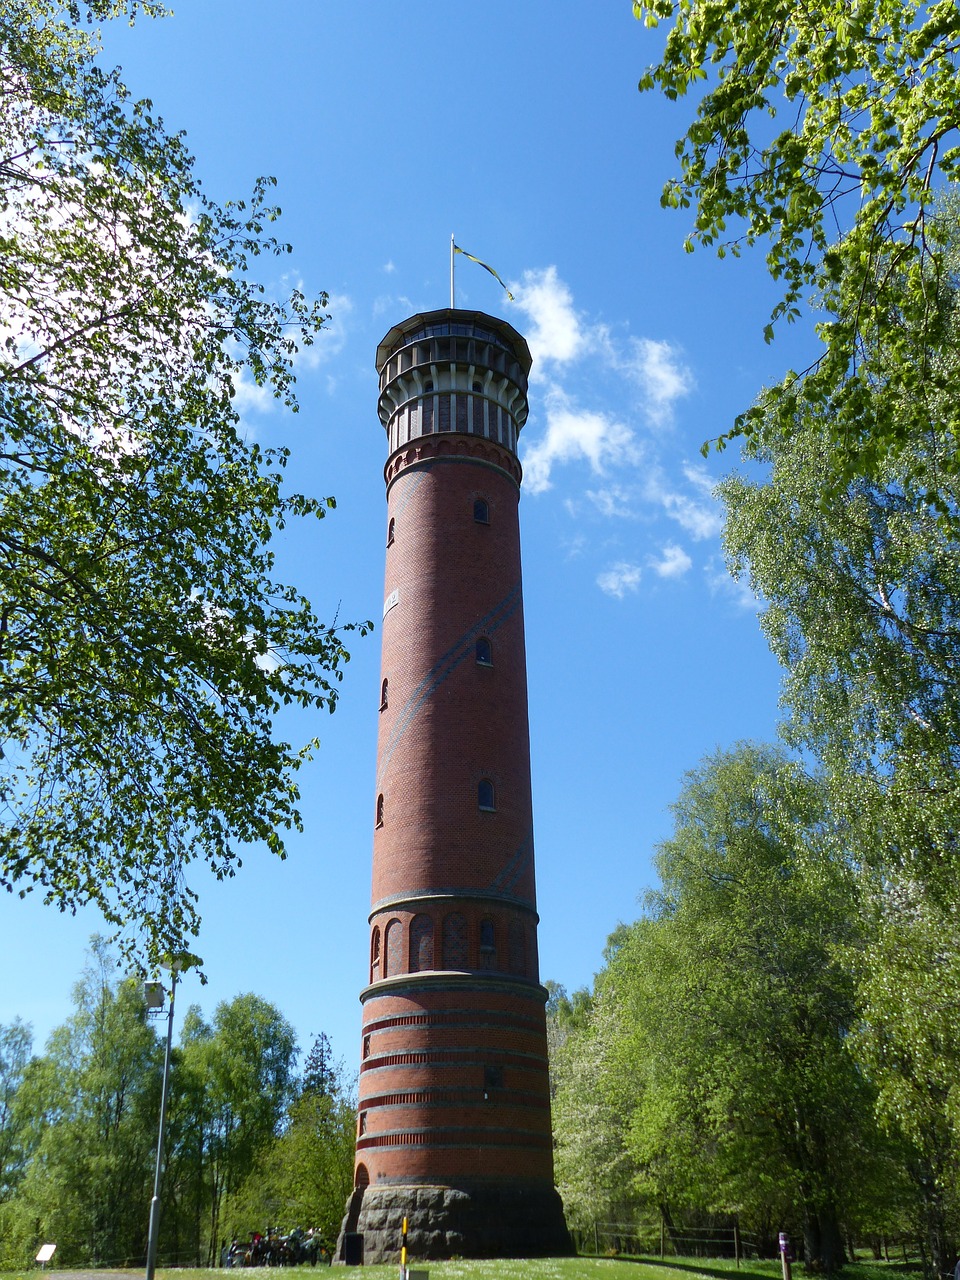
<point>652,1238</point>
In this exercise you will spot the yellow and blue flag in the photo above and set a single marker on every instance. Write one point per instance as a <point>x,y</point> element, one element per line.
<point>486,266</point>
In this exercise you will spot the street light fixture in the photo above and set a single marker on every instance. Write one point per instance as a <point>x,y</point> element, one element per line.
<point>153,992</point>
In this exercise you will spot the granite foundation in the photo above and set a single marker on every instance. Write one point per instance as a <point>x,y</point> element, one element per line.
<point>501,1220</point>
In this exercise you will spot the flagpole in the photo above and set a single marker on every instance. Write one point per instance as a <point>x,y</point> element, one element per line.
<point>452,302</point>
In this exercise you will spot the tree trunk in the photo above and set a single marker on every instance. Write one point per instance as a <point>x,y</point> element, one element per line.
<point>823,1241</point>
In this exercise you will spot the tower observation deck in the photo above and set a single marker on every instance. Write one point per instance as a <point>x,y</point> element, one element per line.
<point>454,1124</point>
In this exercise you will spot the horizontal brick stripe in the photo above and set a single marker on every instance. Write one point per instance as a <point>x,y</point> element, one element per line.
<point>489,1139</point>
<point>454,1018</point>
<point>455,1098</point>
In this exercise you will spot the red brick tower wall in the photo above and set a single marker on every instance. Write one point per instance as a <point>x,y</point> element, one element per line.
<point>454,1090</point>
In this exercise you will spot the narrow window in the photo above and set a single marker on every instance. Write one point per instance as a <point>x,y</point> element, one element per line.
<point>486,797</point>
<point>428,386</point>
<point>478,388</point>
<point>481,511</point>
<point>375,956</point>
<point>484,652</point>
<point>486,936</point>
<point>492,1078</point>
<point>363,1122</point>
<point>366,1046</point>
<point>380,810</point>
<point>383,694</point>
<point>391,531</point>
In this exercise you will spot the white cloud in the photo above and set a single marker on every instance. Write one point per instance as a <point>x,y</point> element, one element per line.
<point>721,582</point>
<point>389,267</point>
<point>394,305</point>
<point>332,338</point>
<point>613,501</point>
<point>699,514</point>
<point>700,478</point>
<point>663,378</point>
<point>248,396</point>
<point>619,579</point>
<point>673,562</point>
<point>573,434</point>
<point>557,333</point>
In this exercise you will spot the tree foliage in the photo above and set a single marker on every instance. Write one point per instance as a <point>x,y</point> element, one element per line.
<point>305,1175</point>
<point>78,1130</point>
<point>824,131</point>
<point>92,1103</point>
<point>716,1043</point>
<point>145,644</point>
<point>15,1045</point>
<point>861,607</point>
<point>238,1071</point>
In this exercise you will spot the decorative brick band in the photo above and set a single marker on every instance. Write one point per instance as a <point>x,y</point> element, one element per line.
<point>430,451</point>
<point>453,1018</point>
<point>457,1139</point>
<point>440,896</point>
<point>455,1098</point>
<point>449,980</point>
<point>447,1057</point>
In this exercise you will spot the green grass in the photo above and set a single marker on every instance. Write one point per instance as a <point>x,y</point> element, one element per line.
<point>522,1269</point>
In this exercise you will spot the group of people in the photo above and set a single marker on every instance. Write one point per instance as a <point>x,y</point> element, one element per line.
<point>276,1250</point>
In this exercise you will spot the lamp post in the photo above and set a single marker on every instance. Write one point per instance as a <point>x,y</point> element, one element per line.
<point>155,989</point>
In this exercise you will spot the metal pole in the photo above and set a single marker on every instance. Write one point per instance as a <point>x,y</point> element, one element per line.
<point>152,1235</point>
<point>452,302</point>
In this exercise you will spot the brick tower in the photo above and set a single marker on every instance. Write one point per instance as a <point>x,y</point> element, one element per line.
<point>454,1127</point>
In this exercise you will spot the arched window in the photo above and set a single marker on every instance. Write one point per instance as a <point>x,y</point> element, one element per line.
<point>488,945</point>
<point>380,810</point>
<point>362,1177</point>
<point>486,796</point>
<point>393,947</point>
<point>454,941</point>
<point>484,651</point>
<point>391,531</point>
<point>478,388</point>
<point>481,511</point>
<point>375,955</point>
<point>421,943</point>
<point>383,694</point>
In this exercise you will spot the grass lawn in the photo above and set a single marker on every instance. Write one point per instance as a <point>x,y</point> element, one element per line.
<point>516,1269</point>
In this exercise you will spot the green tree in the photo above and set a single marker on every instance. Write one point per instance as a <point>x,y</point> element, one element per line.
<point>861,608</point>
<point>241,1069</point>
<point>93,1099</point>
<point>735,1008</point>
<point>16,1042</point>
<point>303,1178</point>
<point>145,644</point>
<point>824,131</point>
<point>592,1101</point>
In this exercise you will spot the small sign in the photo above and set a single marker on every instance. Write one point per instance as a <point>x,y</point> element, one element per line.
<point>392,599</point>
<point>46,1252</point>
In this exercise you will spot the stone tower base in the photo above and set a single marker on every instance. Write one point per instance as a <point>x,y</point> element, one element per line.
<point>501,1220</point>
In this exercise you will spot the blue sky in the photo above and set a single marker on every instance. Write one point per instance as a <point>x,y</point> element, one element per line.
<point>516,125</point>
